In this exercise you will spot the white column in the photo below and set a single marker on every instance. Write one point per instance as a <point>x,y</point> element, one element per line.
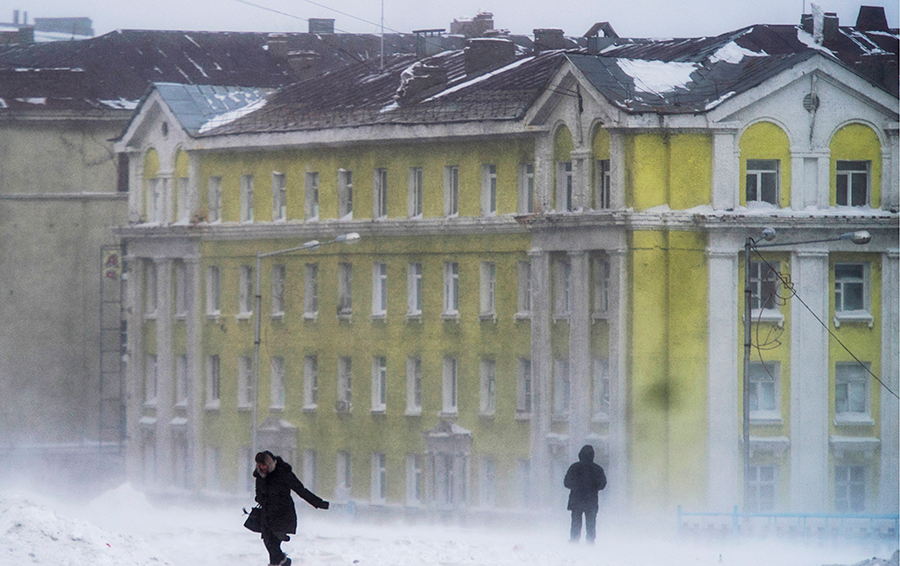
<point>618,401</point>
<point>541,374</point>
<point>194,184</point>
<point>617,169</point>
<point>134,314</point>
<point>136,186</point>
<point>164,364</point>
<point>581,178</point>
<point>809,383</point>
<point>725,174</point>
<point>890,373</point>
<point>890,170</point>
<point>579,353</point>
<point>195,369</point>
<point>823,181</point>
<point>723,450</point>
<point>800,181</point>
<point>543,174</point>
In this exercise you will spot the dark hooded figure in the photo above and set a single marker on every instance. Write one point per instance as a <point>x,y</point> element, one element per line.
<point>585,479</point>
<point>274,482</point>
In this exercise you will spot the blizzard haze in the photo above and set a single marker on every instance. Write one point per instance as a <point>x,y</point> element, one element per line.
<point>635,18</point>
<point>122,528</point>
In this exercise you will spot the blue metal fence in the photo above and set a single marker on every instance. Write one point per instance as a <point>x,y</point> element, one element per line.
<point>824,524</point>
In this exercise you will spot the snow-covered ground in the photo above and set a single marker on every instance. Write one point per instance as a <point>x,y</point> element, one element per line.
<point>121,528</point>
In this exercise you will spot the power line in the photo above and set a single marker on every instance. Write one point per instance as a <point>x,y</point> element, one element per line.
<point>788,285</point>
<point>274,11</point>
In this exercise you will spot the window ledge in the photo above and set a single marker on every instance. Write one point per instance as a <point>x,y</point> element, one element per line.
<point>600,418</point>
<point>450,316</point>
<point>414,317</point>
<point>310,409</point>
<point>276,409</point>
<point>448,415</point>
<point>766,419</point>
<point>488,317</point>
<point>599,315</point>
<point>277,315</point>
<point>311,316</point>
<point>486,416</point>
<point>181,405</point>
<point>561,317</point>
<point>345,316</point>
<point>150,404</point>
<point>213,315</point>
<point>212,406</point>
<point>413,413</point>
<point>243,408</point>
<point>150,315</point>
<point>523,315</point>
<point>380,411</point>
<point>381,317</point>
<point>767,315</point>
<point>180,316</point>
<point>560,417</point>
<point>243,316</point>
<point>523,415</point>
<point>854,317</point>
<point>853,420</point>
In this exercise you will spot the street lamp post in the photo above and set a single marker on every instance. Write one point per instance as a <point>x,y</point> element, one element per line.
<point>349,238</point>
<point>768,234</point>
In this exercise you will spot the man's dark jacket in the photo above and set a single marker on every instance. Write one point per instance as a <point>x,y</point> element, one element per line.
<point>273,493</point>
<point>585,479</point>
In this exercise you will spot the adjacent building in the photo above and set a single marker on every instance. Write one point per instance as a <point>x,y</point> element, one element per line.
<point>550,254</point>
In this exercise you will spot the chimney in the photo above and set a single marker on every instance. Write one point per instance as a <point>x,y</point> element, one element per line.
<point>428,42</point>
<point>830,26</point>
<point>596,43</point>
<point>871,18</point>
<point>806,23</point>
<point>321,25</point>
<point>15,17</point>
<point>548,38</point>
<point>485,54</point>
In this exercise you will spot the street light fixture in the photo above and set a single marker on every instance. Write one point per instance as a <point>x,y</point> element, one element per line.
<point>349,238</point>
<point>859,237</point>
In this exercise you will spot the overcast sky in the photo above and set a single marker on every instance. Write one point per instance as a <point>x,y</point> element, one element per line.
<point>630,18</point>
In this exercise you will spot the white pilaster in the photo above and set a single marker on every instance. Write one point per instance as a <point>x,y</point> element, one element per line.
<point>617,169</point>
<point>579,353</point>
<point>890,170</point>
<point>134,314</point>
<point>723,450</point>
<point>809,383</point>
<point>541,374</point>
<point>618,401</point>
<point>164,365</point>
<point>889,494</point>
<point>543,174</point>
<point>195,371</point>
<point>724,175</point>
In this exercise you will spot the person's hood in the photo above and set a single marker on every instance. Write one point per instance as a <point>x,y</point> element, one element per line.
<point>271,464</point>
<point>587,453</point>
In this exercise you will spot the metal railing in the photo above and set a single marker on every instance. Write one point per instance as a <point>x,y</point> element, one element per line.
<point>808,524</point>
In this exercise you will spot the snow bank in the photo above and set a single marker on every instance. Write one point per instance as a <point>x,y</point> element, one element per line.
<point>31,533</point>
<point>657,77</point>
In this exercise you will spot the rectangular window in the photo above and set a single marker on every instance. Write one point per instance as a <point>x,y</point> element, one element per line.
<point>151,294</point>
<point>310,382</point>
<point>279,196</point>
<point>415,192</point>
<point>278,275</point>
<point>487,482</point>
<point>246,198</point>
<point>345,383</point>
<point>850,289</point>
<point>180,288</point>
<point>245,292</point>
<point>488,190</point>
<point>183,207</point>
<point>150,379</point>
<point>602,184</point>
<point>379,478</point>
<point>564,186</point>
<point>450,385</point>
<point>345,289</point>
<point>311,290</point>
<point>601,389</point>
<point>488,288</point>
<point>524,294</point>
<point>526,188</point>
<point>245,382</point>
<point>414,480</point>
<point>851,391</point>
<point>852,183</point>
<point>765,390</point>
<point>214,198</point>
<point>379,384</point>
<point>601,286</point>
<point>488,387</point>
<point>451,190</point>
<point>764,285</point>
<point>276,367</point>
<point>414,289</point>
<point>345,194</point>
<point>212,291</point>
<point>850,489</point>
<point>311,189</point>
<point>523,387</point>
<point>762,488</point>
<point>451,288</point>
<point>560,387</point>
<point>213,382</point>
<point>562,275</point>
<point>342,490</point>
<point>413,385</point>
<point>379,193</point>
<point>181,380</point>
<point>310,469</point>
<point>763,180</point>
<point>156,189</point>
<point>379,289</point>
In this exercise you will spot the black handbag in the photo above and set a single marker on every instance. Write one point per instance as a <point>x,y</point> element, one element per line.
<point>254,520</point>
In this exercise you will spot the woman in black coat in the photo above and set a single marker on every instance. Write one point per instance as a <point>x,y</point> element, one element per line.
<point>585,479</point>
<point>274,481</point>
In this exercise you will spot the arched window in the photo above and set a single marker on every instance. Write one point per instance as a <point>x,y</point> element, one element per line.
<point>154,188</point>
<point>182,194</point>
<point>855,167</point>
<point>565,180</point>
<point>601,177</point>
<point>765,166</point>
